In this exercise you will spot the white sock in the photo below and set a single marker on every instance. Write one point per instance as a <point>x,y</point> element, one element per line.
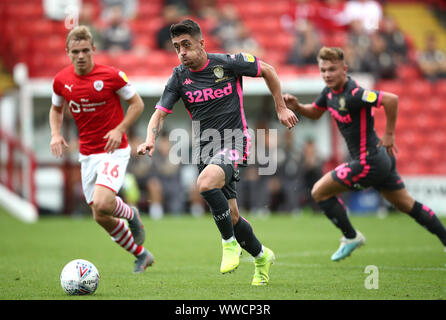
<point>229,240</point>
<point>260,254</point>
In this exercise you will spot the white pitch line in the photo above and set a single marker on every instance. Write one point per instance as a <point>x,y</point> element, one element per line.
<point>337,265</point>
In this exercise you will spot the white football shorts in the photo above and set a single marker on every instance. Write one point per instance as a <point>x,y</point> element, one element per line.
<point>103,169</point>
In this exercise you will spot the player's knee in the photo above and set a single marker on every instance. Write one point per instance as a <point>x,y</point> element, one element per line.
<point>100,218</point>
<point>206,183</point>
<point>103,207</point>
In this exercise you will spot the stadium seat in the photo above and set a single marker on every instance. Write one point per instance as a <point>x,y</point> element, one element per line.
<point>102,58</point>
<point>249,9</point>
<point>438,138</point>
<point>48,44</point>
<point>286,70</point>
<point>146,28</point>
<point>410,106</point>
<point>128,61</point>
<point>268,25</point>
<point>407,72</point>
<point>440,88</point>
<point>311,69</point>
<point>281,42</point>
<point>148,10</point>
<point>435,105</point>
<point>419,88</point>
<point>393,86</point>
<point>26,12</point>
<point>336,39</point>
<point>274,58</point>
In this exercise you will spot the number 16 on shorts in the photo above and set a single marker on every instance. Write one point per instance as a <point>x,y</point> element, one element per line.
<point>111,175</point>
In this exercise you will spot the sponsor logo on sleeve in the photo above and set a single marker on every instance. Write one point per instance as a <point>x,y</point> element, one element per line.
<point>123,76</point>
<point>248,57</point>
<point>369,96</point>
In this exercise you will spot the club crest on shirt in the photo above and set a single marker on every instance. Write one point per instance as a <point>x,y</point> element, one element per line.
<point>342,104</point>
<point>98,85</point>
<point>369,96</point>
<point>219,72</point>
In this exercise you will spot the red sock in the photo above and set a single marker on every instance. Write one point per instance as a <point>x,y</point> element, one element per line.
<point>122,210</point>
<point>122,236</point>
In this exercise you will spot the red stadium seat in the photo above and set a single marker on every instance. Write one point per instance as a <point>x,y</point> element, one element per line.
<point>249,9</point>
<point>268,25</point>
<point>408,72</point>
<point>440,88</point>
<point>129,60</point>
<point>435,105</point>
<point>420,88</point>
<point>287,70</point>
<point>102,58</point>
<point>438,138</point>
<point>393,86</point>
<point>48,44</point>
<point>274,58</point>
<point>148,10</point>
<point>281,42</point>
<point>336,39</point>
<point>410,106</point>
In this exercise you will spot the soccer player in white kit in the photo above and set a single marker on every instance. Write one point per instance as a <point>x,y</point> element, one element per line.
<point>92,92</point>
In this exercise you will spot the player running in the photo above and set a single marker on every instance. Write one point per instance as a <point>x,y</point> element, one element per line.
<point>210,86</point>
<point>373,161</point>
<point>92,92</point>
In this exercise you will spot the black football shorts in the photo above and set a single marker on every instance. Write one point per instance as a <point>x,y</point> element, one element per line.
<point>377,171</point>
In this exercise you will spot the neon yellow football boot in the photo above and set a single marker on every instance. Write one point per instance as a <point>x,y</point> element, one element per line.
<point>262,265</point>
<point>231,256</point>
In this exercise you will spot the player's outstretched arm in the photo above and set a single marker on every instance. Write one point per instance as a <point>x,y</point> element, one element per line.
<point>114,137</point>
<point>307,110</point>
<point>57,143</point>
<point>286,117</point>
<point>153,130</point>
<point>390,103</point>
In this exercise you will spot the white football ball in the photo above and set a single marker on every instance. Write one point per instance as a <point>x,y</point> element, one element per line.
<point>79,277</point>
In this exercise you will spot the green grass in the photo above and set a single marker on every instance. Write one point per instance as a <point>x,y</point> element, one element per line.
<point>410,260</point>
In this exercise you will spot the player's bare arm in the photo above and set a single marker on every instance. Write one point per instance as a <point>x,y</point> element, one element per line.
<point>153,130</point>
<point>286,117</point>
<point>57,143</point>
<point>306,110</point>
<point>390,104</point>
<point>114,137</point>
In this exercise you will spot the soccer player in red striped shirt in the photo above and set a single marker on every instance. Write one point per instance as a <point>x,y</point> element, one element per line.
<point>373,162</point>
<point>92,92</point>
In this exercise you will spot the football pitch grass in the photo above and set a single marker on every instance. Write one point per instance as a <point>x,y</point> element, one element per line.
<point>409,262</point>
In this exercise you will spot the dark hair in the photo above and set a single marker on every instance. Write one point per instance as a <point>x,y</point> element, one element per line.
<point>187,26</point>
